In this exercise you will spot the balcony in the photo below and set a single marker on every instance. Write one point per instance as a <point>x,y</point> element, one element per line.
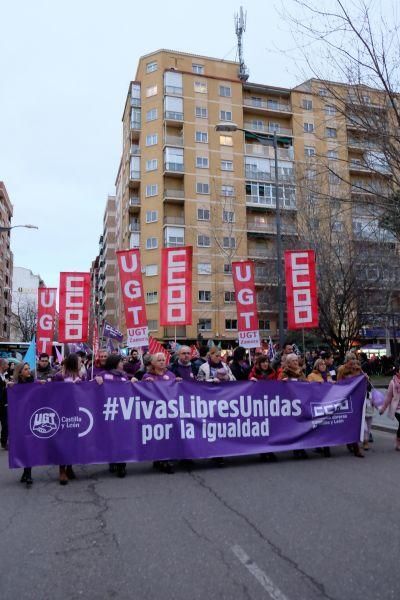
<point>260,253</point>
<point>174,195</point>
<point>173,118</point>
<point>264,203</point>
<point>361,144</point>
<point>256,175</point>
<point>267,106</point>
<point>135,128</point>
<point>173,168</point>
<point>268,152</point>
<point>269,228</point>
<point>173,90</point>
<point>357,165</point>
<point>173,140</point>
<point>134,202</point>
<point>174,220</point>
<point>133,227</point>
<point>265,128</point>
<point>135,150</point>
<point>373,234</point>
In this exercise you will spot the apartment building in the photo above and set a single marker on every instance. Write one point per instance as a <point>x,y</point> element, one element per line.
<point>181,182</point>
<point>6,264</point>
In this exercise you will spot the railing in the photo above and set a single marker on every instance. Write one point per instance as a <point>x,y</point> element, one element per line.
<point>268,151</point>
<point>173,244</point>
<point>135,101</point>
<point>174,167</point>
<point>284,203</point>
<point>173,115</point>
<point>136,125</point>
<point>134,201</point>
<point>375,235</point>
<point>134,175</point>
<point>170,193</point>
<point>268,176</point>
<point>134,227</point>
<point>270,228</point>
<point>174,220</point>
<point>135,150</point>
<point>258,253</point>
<point>173,140</point>
<point>264,128</point>
<point>267,104</point>
<point>356,143</point>
<point>173,90</point>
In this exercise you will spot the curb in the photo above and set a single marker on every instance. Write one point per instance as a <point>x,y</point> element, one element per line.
<point>383,428</point>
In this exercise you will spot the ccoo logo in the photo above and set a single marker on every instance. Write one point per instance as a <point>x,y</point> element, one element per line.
<point>44,422</point>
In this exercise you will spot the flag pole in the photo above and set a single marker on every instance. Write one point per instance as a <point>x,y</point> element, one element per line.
<point>175,335</point>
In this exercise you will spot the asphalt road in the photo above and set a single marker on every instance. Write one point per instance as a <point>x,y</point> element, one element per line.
<point>294,530</point>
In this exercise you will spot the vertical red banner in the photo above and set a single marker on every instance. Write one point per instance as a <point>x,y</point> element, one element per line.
<point>96,344</point>
<point>301,289</point>
<point>130,276</point>
<point>246,303</point>
<point>176,286</point>
<point>74,303</point>
<point>46,319</point>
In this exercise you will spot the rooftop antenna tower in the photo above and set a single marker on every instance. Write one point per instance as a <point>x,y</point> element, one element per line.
<point>240,28</point>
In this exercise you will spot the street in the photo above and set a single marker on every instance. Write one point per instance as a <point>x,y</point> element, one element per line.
<point>310,529</point>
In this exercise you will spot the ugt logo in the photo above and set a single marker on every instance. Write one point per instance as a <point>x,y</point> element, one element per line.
<point>44,422</point>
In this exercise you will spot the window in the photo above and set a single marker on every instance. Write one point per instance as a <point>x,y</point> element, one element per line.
<point>337,226</point>
<point>229,297</point>
<point>151,216</point>
<point>204,296</point>
<point>151,190</point>
<point>203,214</point>
<point>309,151</point>
<point>151,67</point>
<point>151,91</point>
<point>331,132</point>
<point>173,158</point>
<point>202,188</point>
<point>227,190</point>
<point>152,139</point>
<point>225,91</point>
<point>322,92</point>
<point>230,324</point>
<point>200,87</point>
<point>330,110</point>
<point>228,216</point>
<point>204,269</point>
<point>308,127</point>
<point>310,174</point>
<point>201,112</point>
<point>334,179</point>
<point>264,324</point>
<point>225,115</point>
<point>204,325</point>
<point>198,69</point>
<point>203,241</point>
<point>151,114</point>
<point>228,242</point>
<point>226,140</point>
<point>202,137</point>
<point>152,164</point>
<point>227,269</point>
<point>307,104</point>
<point>201,162</point>
<point>151,297</point>
<point>274,127</point>
<point>152,324</point>
<point>332,154</point>
<point>226,165</point>
<point>151,270</point>
<point>173,107</point>
<point>151,243</point>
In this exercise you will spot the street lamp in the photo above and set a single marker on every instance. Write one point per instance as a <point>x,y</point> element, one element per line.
<point>2,228</point>
<point>266,141</point>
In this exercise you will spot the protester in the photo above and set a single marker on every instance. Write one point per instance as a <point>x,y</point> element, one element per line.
<point>134,363</point>
<point>99,363</point>
<point>146,358</point>
<point>262,369</point>
<point>276,361</point>
<point>3,403</point>
<point>392,402</point>
<point>214,370</point>
<point>158,371</point>
<point>293,372</point>
<point>44,371</point>
<point>183,367</point>
<point>329,361</point>
<point>200,359</point>
<point>319,373</point>
<point>22,375</point>
<point>351,368</point>
<point>239,365</point>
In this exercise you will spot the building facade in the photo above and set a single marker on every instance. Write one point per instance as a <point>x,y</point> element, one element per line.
<point>181,182</point>
<point>6,264</point>
<point>24,303</point>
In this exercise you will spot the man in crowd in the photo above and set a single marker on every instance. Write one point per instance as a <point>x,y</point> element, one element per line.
<point>200,359</point>
<point>183,368</point>
<point>133,364</point>
<point>3,403</point>
<point>44,371</point>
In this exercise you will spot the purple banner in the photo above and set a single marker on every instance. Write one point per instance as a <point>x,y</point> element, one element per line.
<point>65,423</point>
<point>112,332</point>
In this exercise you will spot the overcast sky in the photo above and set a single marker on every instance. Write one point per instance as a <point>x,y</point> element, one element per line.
<point>65,68</point>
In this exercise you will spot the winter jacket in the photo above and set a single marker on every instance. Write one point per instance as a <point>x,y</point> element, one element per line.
<point>316,376</point>
<point>209,373</point>
<point>392,399</point>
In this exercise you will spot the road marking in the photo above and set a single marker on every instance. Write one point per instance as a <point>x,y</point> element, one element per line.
<point>262,578</point>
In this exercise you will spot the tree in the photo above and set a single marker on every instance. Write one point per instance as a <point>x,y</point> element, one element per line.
<point>24,317</point>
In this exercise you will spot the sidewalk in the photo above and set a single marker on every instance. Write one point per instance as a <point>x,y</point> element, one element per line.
<point>384,423</point>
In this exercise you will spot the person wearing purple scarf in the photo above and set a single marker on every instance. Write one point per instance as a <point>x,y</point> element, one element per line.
<point>183,368</point>
<point>214,370</point>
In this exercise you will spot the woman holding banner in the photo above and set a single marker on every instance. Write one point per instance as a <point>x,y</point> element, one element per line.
<point>214,370</point>
<point>351,368</point>
<point>293,372</point>
<point>22,374</point>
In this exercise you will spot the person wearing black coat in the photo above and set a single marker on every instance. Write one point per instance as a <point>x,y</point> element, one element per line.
<point>239,367</point>
<point>3,404</point>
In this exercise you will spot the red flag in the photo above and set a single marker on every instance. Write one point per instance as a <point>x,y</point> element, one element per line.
<point>246,305</point>
<point>155,346</point>
<point>45,319</point>
<point>74,307</point>
<point>96,344</point>
<point>176,286</point>
<point>130,275</point>
<point>301,289</point>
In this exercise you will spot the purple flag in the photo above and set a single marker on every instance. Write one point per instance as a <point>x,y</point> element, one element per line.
<point>62,423</point>
<point>112,332</point>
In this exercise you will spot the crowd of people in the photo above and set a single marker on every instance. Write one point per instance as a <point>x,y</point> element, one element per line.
<point>204,364</point>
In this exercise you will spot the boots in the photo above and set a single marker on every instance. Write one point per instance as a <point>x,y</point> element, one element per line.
<point>63,477</point>
<point>26,476</point>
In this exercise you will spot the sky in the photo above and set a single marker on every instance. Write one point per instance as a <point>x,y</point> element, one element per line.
<point>65,69</point>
